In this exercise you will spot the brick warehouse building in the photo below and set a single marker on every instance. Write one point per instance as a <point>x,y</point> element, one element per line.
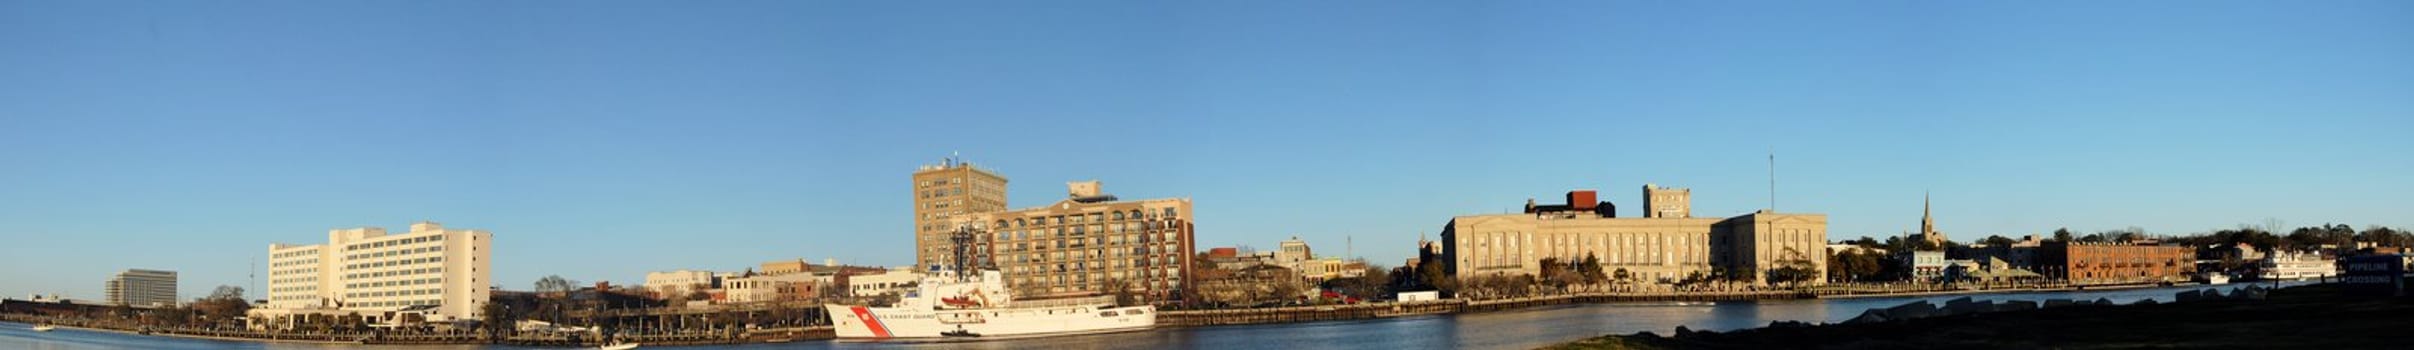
<point>2115,262</point>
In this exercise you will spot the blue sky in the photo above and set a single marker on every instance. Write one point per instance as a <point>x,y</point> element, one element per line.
<point>600,140</point>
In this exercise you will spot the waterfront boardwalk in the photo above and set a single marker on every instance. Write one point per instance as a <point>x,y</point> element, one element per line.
<point>436,338</point>
<point>1188,318</point>
<point>660,322</point>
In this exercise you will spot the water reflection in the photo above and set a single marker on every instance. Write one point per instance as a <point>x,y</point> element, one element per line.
<point>1523,329</point>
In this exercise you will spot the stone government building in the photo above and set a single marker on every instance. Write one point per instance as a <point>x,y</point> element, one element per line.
<point>1664,245</point>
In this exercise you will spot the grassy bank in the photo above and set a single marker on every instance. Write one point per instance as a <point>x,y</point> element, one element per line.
<point>2315,316</point>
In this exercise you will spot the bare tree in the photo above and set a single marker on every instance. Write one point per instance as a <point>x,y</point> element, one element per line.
<point>555,284</point>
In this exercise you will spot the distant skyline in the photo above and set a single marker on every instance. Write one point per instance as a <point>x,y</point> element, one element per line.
<point>601,140</point>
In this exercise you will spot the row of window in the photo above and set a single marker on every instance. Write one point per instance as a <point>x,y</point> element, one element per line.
<point>1160,237</point>
<point>408,282</point>
<point>401,303</point>
<point>312,251</point>
<point>296,262</point>
<point>430,270</point>
<point>1134,214</point>
<point>426,260</point>
<point>942,192</point>
<point>1080,230</point>
<point>397,252</point>
<point>1117,252</point>
<point>1082,280</point>
<point>397,242</point>
<point>395,293</point>
<point>1088,265</point>
<point>302,271</point>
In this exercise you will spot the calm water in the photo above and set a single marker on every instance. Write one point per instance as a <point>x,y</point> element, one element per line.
<point>1500,330</point>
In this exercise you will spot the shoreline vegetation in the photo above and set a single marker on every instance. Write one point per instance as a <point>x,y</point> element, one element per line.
<point>433,339</point>
<point>2308,316</point>
<point>1168,318</point>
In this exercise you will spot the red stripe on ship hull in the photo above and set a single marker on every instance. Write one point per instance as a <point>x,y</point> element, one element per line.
<point>865,315</point>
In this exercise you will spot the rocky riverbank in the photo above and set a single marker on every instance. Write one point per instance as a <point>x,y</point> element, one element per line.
<point>2316,316</point>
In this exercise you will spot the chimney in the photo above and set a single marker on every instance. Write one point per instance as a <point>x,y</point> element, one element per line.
<point>1082,189</point>
<point>1581,199</point>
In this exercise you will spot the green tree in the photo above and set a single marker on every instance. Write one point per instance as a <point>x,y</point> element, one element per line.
<point>498,320</point>
<point>224,304</point>
<point>1854,266</point>
<point>1794,268</point>
<point>2305,237</point>
<point>1590,268</point>
<point>1369,285</point>
<point>1554,272</point>
<point>2063,235</point>
<point>2383,236</point>
<point>1997,241</point>
<point>1122,290</point>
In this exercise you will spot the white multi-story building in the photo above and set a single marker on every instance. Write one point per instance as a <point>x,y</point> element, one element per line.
<point>144,288</point>
<point>678,284</point>
<point>440,274</point>
<point>773,288</point>
<point>894,281</point>
<point>1294,254</point>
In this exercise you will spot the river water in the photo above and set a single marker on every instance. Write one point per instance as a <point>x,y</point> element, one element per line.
<point>1522,329</point>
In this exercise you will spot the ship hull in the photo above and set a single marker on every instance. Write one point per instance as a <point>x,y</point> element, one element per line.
<point>852,322</point>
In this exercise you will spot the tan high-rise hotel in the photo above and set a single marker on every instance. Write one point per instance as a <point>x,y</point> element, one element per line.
<point>944,194</point>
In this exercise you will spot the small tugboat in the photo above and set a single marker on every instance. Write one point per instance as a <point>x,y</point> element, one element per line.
<point>45,328</point>
<point>619,346</point>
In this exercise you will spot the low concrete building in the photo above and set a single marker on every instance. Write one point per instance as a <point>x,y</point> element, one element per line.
<point>1926,265</point>
<point>895,281</point>
<point>776,288</point>
<point>677,284</point>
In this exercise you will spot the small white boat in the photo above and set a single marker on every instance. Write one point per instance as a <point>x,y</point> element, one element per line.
<point>45,328</point>
<point>619,346</point>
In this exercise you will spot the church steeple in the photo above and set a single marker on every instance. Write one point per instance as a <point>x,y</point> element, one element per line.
<point>1927,224</point>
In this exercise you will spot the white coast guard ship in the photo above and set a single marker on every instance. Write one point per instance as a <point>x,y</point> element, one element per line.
<point>982,308</point>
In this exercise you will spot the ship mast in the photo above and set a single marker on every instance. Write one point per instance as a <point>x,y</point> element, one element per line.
<point>963,241</point>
